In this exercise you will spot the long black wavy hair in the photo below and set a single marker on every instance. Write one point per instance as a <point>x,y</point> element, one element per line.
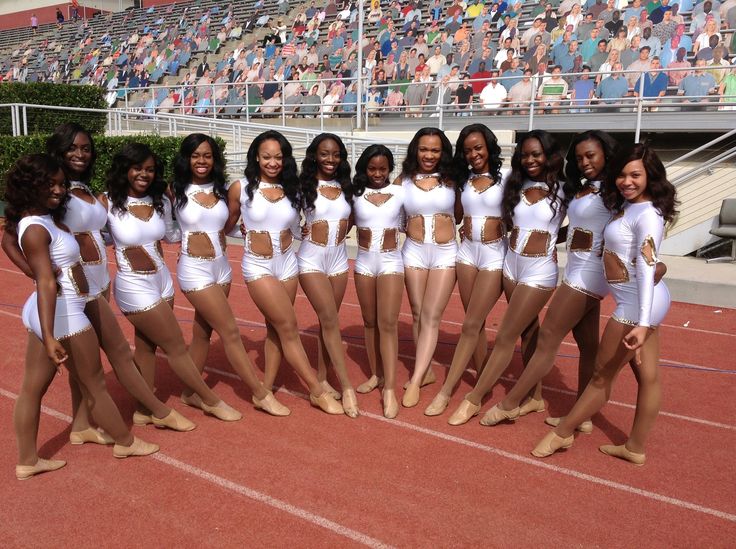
<point>553,174</point>
<point>460,164</point>
<point>183,168</point>
<point>360,179</point>
<point>62,140</point>
<point>308,178</point>
<point>661,191</point>
<point>289,177</point>
<point>609,146</point>
<point>26,186</point>
<point>133,154</point>
<point>410,166</point>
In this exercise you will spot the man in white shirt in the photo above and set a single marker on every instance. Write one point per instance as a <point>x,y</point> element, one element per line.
<point>493,95</point>
<point>436,62</point>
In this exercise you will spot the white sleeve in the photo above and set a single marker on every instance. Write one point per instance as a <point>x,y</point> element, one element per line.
<point>173,231</point>
<point>648,234</point>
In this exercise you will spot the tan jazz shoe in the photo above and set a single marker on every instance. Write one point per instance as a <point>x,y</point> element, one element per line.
<point>551,443</point>
<point>24,472</point>
<point>369,385</point>
<point>438,405</point>
<point>334,393</point>
<point>222,411</point>
<point>623,452</point>
<point>174,421</point>
<point>327,403</point>
<point>390,404</point>
<point>193,400</point>
<point>586,427</point>
<point>428,378</point>
<point>531,405</point>
<point>464,412</point>
<point>137,448</point>
<point>270,405</point>
<point>350,403</point>
<point>90,434</point>
<point>496,415</point>
<point>411,396</point>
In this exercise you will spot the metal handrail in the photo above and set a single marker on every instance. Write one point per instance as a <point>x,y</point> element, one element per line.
<point>700,149</point>
<point>704,167</point>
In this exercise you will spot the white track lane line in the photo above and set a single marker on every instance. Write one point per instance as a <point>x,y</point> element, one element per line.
<point>231,486</point>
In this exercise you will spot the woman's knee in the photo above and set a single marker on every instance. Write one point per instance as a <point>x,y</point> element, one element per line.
<point>471,326</point>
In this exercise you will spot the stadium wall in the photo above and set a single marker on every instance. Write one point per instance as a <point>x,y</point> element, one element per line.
<point>45,10</point>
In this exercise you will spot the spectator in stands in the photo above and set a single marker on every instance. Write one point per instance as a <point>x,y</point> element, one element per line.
<point>415,96</point>
<point>59,18</point>
<point>553,91</point>
<point>483,21</point>
<point>702,14</point>
<point>294,100</point>
<point>612,89</point>
<point>512,75</point>
<point>436,61</point>
<point>615,24</point>
<point>464,96</point>
<point>539,58</point>
<point>704,38</point>
<point>675,77</point>
<point>653,43</point>
<point>632,53</point>
<point>502,54</point>
<point>656,14</point>
<point>34,23</point>
<point>583,91</point>
<point>665,29</point>
<point>486,58</point>
<point>592,45</point>
<point>706,53</point>
<point>394,100</point>
<point>493,96</point>
<point>698,85</point>
<point>641,65</point>
<point>571,60</point>
<point>521,93</point>
<point>480,78</point>
<point>718,61</point>
<point>310,106</point>
<point>727,90</point>
<point>549,18</point>
<point>651,84</point>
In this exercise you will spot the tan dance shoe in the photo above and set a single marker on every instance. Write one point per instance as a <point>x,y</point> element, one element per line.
<point>193,400</point>
<point>222,411</point>
<point>586,427</point>
<point>90,434</point>
<point>369,385</point>
<point>334,393</point>
<point>174,421</point>
<point>350,403</point>
<point>24,472</point>
<point>623,452</point>
<point>551,443</point>
<point>138,448</point>
<point>140,419</point>
<point>327,403</point>
<point>270,405</point>
<point>438,405</point>
<point>531,405</point>
<point>464,412</point>
<point>390,404</point>
<point>496,415</point>
<point>411,396</point>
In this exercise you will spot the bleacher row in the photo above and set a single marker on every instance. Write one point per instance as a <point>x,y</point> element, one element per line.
<point>268,57</point>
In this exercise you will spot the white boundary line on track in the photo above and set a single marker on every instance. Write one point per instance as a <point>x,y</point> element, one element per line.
<point>298,512</point>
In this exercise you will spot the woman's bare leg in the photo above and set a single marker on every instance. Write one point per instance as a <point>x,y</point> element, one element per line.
<point>366,289</point>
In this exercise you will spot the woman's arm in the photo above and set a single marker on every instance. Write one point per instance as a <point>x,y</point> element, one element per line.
<point>233,206</point>
<point>35,244</point>
<point>15,254</point>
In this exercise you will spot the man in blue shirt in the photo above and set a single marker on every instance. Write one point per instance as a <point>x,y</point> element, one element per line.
<point>612,89</point>
<point>654,83</point>
<point>697,85</point>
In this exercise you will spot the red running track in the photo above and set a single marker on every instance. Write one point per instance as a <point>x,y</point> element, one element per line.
<point>318,480</point>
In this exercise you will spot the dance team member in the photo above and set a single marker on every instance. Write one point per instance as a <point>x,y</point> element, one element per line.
<point>534,204</point>
<point>139,216</point>
<point>479,264</point>
<point>378,207</point>
<point>643,201</point>
<point>268,201</point>
<point>431,205</point>
<point>203,270</point>
<point>36,196</point>
<point>73,147</point>
<point>325,189</point>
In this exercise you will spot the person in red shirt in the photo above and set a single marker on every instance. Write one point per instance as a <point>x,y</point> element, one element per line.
<point>480,78</point>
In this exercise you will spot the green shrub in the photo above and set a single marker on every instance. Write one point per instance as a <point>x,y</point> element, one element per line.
<point>12,148</point>
<point>45,93</point>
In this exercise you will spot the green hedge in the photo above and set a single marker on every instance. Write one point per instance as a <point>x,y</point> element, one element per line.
<point>11,148</point>
<point>45,93</point>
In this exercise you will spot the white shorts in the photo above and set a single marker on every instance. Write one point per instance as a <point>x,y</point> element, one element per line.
<point>136,292</point>
<point>195,274</point>
<point>69,317</point>
<point>537,272</point>
<point>483,256</point>
<point>627,303</point>
<point>330,260</point>
<point>379,263</point>
<point>429,255</point>
<point>98,278</point>
<point>282,266</point>
<point>585,274</point>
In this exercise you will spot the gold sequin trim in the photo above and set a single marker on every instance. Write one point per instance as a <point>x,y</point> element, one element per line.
<point>475,176</point>
<point>625,321</point>
<point>262,186</point>
<point>73,334</point>
<point>541,186</point>
<point>194,195</point>
<point>324,245</point>
<point>73,280</point>
<point>148,308</point>
<point>198,289</point>
<point>420,177</point>
<point>649,246</point>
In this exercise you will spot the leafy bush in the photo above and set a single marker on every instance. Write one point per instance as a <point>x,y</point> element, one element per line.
<point>12,148</point>
<point>45,93</point>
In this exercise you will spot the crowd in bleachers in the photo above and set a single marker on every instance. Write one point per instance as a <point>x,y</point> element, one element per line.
<point>418,56</point>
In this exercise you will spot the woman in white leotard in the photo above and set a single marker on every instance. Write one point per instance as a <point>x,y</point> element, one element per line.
<point>73,147</point>
<point>323,262</point>
<point>534,205</point>
<point>139,216</point>
<point>482,250</point>
<point>643,201</point>
<point>36,195</point>
<point>203,270</point>
<point>268,201</point>
<point>378,210</point>
<point>432,207</point>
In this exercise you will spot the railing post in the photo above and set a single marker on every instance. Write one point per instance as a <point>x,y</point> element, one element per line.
<point>214,102</point>
<point>247,103</point>
<point>283,106</point>
<point>25,119</point>
<point>639,108</point>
